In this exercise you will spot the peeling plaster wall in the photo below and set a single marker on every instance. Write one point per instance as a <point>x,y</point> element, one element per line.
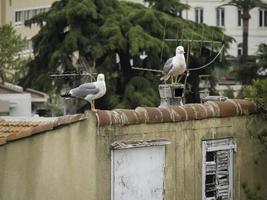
<point>73,162</point>
<point>184,154</point>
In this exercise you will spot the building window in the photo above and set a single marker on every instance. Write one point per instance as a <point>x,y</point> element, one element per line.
<point>22,15</point>
<point>199,15</point>
<point>263,18</point>
<point>18,17</point>
<point>239,17</point>
<point>239,49</point>
<point>27,14</point>
<point>220,16</point>
<point>217,169</point>
<point>27,48</point>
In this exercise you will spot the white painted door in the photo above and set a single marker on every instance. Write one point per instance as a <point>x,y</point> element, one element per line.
<point>138,173</point>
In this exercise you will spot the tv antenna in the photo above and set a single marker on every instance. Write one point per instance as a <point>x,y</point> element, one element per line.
<point>75,74</point>
<point>189,43</point>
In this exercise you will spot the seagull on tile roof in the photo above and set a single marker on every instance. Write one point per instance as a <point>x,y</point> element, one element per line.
<point>89,91</point>
<point>174,66</point>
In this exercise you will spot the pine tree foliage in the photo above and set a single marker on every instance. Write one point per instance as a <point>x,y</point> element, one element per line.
<point>10,45</point>
<point>102,29</point>
<point>172,7</point>
<point>137,94</point>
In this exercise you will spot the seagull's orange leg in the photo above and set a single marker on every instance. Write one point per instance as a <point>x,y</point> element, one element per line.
<point>93,106</point>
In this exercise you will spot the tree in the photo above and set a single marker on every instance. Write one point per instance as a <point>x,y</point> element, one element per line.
<point>256,66</point>
<point>103,30</point>
<point>246,6</point>
<point>258,92</point>
<point>10,45</point>
<point>172,7</point>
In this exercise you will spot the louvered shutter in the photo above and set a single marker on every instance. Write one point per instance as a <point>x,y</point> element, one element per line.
<point>217,169</point>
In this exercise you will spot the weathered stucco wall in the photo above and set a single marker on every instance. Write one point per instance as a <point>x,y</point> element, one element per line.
<point>55,165</point>
<point>74,162</point>
<point>183,170</point>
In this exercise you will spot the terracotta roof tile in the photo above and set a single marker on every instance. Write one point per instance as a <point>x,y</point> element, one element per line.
<point>129,116</point>
<point>152,114</point>
<point>104,117</point>
<point>42,127</point>
<point>21,133</point>
<point>166,114</point>
<point>178,113</point>
<point>15,129</point>
<point>245,107</point>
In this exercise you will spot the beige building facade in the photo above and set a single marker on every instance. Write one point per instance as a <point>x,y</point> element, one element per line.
<point>16,12</point>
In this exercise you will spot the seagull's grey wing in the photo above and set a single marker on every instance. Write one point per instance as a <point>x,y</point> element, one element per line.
<point>167,66</point>
<point>84,90</point>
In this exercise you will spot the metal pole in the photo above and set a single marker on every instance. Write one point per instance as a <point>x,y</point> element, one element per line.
<point>189,40</point>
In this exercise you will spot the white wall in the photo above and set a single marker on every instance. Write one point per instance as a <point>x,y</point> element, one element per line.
<point>257,35</point>
<point>20,104</point>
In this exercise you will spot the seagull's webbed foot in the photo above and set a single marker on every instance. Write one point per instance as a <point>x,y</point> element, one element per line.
<point>93,110</point>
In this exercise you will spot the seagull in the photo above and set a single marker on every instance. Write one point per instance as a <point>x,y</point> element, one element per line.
<point>89,91</point>
<point>174,66</point>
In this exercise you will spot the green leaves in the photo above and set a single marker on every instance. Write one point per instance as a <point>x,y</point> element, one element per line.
<point>139,92</point>
<point>10,45</point>
<point>168,6</point>
<point>258,92</point>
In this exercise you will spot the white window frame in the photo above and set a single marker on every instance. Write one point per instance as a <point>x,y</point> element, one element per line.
<point>239,18</point>
<point>27,13</point>
<point>239,49</point>
<point>27,49</point>
<point>220,16</point>
<point>18,17</point>
<point>215,146</point>
<point>262,18</point>
<point>199,15</point>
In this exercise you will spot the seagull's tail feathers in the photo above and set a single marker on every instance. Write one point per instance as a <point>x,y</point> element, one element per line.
<point>165,77</point>
<point>66,95</point>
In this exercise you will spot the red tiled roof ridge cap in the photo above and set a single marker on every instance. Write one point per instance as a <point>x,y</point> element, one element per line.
<point>17,129</point>
<point>173,113</point>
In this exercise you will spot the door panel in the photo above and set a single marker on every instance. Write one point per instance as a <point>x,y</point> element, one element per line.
<point>138,173</point>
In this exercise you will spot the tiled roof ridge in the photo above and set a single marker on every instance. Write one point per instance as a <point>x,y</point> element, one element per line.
<point>14,130</point>
<point>165,114</point>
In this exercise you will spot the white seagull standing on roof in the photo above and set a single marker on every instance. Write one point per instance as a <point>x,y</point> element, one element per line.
<point>89,91</point>
<point>174,66</point>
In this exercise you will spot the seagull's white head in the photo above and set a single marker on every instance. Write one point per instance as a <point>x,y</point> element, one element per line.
<point>100,77</point>
<point>180,50</point>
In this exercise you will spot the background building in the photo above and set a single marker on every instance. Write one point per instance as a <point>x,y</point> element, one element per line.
<point>19,102</point>
<point>228,18</point>
<point>211,13</point>
<point>16,12</point>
